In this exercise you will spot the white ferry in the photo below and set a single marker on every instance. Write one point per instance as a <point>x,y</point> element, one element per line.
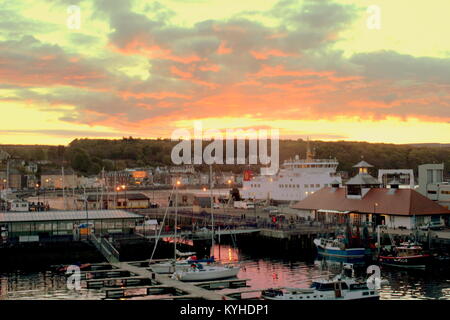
<point>296,179</point>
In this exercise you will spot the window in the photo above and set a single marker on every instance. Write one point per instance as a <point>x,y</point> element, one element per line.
<point>439,175</point>
<point>317,185</point>
<point>429,176</point>
<point>326,287</point>
<point>358,286</point>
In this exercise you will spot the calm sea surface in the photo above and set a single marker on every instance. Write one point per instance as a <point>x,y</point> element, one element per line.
<point>263,273</point>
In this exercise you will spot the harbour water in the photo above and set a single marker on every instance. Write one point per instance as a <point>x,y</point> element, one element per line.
<point>262,272</point>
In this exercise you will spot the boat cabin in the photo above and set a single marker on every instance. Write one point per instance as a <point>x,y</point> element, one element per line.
<point>409,251</point>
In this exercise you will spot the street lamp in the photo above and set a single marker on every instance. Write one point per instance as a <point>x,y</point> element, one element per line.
<point>37,192</point>
<point>125,189</point>
<point>117,196</point>
<point>374,219</point>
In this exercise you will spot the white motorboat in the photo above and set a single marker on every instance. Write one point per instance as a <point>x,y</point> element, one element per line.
<point>198,272</point>
<point>340,287</point>
<point>323,289</point>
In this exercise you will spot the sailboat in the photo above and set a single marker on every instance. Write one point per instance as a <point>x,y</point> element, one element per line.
<point>183,264</point>
<point>200,272</point>
<point>174,265</point>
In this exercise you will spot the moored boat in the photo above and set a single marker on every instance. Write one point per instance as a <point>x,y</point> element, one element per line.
<point>340,287</point>
<point>199,272</point>
<point>407,255</point>
<point>336,248</point>
<point>183,265</point>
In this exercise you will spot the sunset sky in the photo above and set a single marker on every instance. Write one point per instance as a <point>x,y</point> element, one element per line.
<point>144,68</point>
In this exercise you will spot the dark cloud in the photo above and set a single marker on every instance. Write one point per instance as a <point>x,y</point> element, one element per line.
<point>29,62</point>
<point>396,66</point>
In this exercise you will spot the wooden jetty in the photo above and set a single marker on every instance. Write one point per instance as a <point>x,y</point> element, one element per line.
<point>142,283</point>
<point>181,287</point>
<point>147,290</point>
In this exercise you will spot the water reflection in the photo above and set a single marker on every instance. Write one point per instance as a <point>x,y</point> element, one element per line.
<point>262,272</point>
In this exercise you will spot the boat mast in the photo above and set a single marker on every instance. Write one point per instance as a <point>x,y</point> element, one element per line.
<point>63,186</point>
<point>212,207</point>
<point>176,217</point>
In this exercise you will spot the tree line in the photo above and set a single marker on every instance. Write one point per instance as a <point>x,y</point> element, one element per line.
<point>89,156</point>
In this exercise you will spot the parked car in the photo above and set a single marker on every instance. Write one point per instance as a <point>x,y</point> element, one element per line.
<point>433,226</point>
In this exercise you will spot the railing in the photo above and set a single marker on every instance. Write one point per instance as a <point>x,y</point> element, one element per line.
<point>106,248</point>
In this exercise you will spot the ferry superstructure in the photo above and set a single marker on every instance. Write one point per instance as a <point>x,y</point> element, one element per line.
<point>296,179</point>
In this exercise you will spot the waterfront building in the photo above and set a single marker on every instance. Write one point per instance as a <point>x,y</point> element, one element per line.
<point>364,201</point>
<point>63,225</point>
<point>296,180</point>
<point>432,184</point>
<point>114,200</point>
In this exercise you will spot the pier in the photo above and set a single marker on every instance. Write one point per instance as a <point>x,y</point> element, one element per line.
<point>148,283</point>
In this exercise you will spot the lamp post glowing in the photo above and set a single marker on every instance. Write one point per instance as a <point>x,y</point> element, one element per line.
<point>125,189</point>
<point>37,192</point>
<point>117,197</point>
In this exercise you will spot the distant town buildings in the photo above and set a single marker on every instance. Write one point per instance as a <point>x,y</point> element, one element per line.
<point>53,179</point>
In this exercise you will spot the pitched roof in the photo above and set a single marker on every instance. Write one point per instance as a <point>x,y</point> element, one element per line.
<point>362,164</point>
<point>401,202</point>
<point>362,179</point>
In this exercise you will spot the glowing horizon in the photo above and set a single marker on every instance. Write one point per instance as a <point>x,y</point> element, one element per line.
<point>145,68</point>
